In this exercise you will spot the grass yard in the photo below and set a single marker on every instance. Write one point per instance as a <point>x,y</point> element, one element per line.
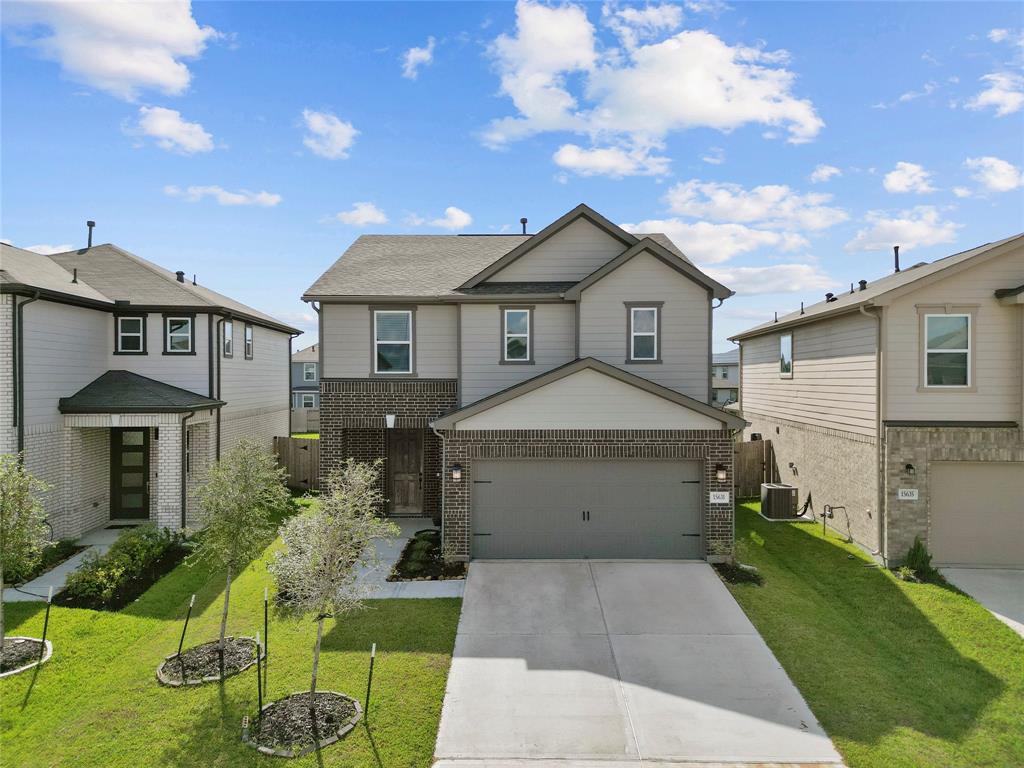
<point>97,702</point>
<point>899,674</point>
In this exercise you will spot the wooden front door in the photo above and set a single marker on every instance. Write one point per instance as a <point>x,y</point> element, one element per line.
<point>129,474</point>
<point>405,454</point>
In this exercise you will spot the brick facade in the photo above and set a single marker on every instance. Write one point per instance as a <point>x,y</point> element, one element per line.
<point>710,446</point>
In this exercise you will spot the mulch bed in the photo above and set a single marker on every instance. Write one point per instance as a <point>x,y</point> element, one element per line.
<point>733,574</point>
<point>422,560</point>
<point>131,590</point>
<point>19,652</point>
<point>286,727</point>
<point>202,662</point>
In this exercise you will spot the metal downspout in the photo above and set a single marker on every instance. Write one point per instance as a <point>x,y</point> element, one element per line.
<point>19,358</point>
<point>220,349</point>
<point>184,467</point>
<point>444,468</point>
<point>879,434</point>
<point>288,370</point>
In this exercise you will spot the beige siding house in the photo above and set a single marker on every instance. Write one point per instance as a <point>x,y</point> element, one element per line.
<point>122,381</point>
<point>901,403</point>
<point>483,369</point>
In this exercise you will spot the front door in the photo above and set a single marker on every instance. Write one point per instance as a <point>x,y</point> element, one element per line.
<point>405,454</point>
<point>129,474</point>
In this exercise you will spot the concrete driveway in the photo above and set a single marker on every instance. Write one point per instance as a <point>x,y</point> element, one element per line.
<point>617,662</point>
<point>1001,590</point>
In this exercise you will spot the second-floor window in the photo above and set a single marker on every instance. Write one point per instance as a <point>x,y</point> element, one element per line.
<point>786,356</point>
<point>248,341</point>
<point>178,335</point>
<point>309,371</point>
<point>130,335</point>
<point>516,341</point>
<point>229,338</point>
<point>948,350</point>
<point>643,333</point>
<point>392,341</point>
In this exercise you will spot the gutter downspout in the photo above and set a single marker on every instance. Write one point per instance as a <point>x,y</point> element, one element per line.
<point>879,433</point>
<point>209,353</point>
<point>444,468</point>
<point>288,370</point>
<point>711,356</point>
<point>184,466</point>
<point>220,349</point>
<point>19,378</point>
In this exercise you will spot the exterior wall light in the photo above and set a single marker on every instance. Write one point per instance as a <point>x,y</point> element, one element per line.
<point>389,420</point>
<point>456,472</point>
<point>720,473</point>
<point>910,470</point>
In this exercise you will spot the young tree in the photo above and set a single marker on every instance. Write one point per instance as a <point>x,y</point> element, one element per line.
<point>236,502</point>
<point>318,568</point>
<point>23,529</point>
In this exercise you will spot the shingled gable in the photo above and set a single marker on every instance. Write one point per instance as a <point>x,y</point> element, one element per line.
<point>647,245</point>
<point>449,420</point>
<point>581,211</point>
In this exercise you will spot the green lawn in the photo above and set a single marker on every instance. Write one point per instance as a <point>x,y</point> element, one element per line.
<point>899,674</point>
<point>97,702</point>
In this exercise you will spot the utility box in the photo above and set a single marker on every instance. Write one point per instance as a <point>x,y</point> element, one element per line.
<point>779,501</point>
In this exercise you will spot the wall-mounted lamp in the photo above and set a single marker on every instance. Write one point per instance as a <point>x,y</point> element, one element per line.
<point>720,473</point>
<point>389,420</point>
<point>910,470</point>
<point>456,472</point>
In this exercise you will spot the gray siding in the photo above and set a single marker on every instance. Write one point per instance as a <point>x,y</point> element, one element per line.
<point>191,372</point>
<point>833,383</point>
<point>572,254</point>
<point>298,382</point>
<point>684,318</point>
<point>482,375</point>
<point>260,383</point>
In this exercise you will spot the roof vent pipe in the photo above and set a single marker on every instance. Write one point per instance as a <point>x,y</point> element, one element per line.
<point>523,222</point>
<point>181,276</point>
<point>863,285</point>
<point>776,317</point>
<point>851,287</point>
<point>193,278</point>
<point>74,275</point>
<point>801,307</point>
<point>90,225</point>
<point>896,255</point>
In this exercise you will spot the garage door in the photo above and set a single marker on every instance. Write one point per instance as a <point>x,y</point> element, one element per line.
<point>578,509</point>
<point>977,513</point>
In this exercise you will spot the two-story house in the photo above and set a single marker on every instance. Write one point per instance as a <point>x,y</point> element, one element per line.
<point>546,395</point>
<point>725,377</point>
<point>306,378</point>
<point>122,381</point>
<point>902,403</point>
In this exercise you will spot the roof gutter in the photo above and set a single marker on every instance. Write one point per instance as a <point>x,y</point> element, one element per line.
<point>19,362</point>
<point>799,321</point>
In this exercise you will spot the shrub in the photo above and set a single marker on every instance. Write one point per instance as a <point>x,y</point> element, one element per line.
<point>918,558</point>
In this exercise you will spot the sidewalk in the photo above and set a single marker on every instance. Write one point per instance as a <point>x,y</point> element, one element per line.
<point>97,541</point>
<point>389,554</point>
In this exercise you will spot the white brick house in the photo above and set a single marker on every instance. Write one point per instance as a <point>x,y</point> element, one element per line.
<point>121,381</point>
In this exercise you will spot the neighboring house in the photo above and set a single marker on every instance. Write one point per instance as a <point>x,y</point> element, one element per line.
<point>306,378</point>
<point>122,382</point>
<point>903,401</point>
<point>725,377</point>
<point>545,395</point>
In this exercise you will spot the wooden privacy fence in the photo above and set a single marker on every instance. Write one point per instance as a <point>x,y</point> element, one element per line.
<point>305,420</point>
<point>301,459</point>
<point>754,463</point>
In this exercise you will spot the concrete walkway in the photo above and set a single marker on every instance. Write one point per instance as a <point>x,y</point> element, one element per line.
<point>97,541</point>
<point>1001,590</point>
<point>615,663</point>
<point>376,580</point>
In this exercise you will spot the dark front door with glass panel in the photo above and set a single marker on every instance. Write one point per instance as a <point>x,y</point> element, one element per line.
<point>129,474</point>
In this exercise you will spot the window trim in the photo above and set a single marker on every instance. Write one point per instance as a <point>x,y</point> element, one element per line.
<point>503,309</point>
<point>657,307</point>
<point>302,400</point>
<point>409,310</point>
<point>190,316</point>
<point>925,311</point>
<point>225,338</point>
<point>792,355</point>
<point>117,334</point>
<point>304,371</point>
<point>249,341</point>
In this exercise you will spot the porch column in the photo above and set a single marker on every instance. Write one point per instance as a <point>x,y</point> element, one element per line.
<point>166,501</point>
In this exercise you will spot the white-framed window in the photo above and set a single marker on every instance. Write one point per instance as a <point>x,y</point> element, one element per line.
<point>248,341</point>
<point>178,335</point>
<point>947,350</point>
<point>643,333</point>
<point>130,335</point>
<point>308,401</point>
<point>229,338</point>
<point>786,356</point>
<point>392,341</point>
<point>309,371</point>
<point>516,346</point>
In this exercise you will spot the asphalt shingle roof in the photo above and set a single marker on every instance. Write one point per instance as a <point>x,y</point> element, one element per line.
<point>307,355</point>
<point>21,267</point>
<point>724,358</point>
<point>126,392</point>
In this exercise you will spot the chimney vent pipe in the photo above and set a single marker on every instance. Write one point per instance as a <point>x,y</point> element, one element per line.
<point>523,222</point>
<point>90,225</point>
<point>896,256</point>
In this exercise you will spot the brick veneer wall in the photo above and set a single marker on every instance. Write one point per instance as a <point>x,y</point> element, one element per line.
<point>710,446</point>
<point>920,446</point>
<point>352,423</point>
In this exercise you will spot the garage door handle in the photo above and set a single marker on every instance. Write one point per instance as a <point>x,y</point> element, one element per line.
<point>586,514</point>
<point>481,482</point>
<point>481,534</point>
<point>690,482</point>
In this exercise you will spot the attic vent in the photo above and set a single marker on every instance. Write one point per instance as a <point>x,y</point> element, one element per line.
<point>830,297</point>
<point>181,276</point>
<point>863,285</point>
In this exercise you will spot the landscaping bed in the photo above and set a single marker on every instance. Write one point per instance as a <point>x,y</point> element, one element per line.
<point>201,663</point>
<point>19,652</point>
<point>290,727</point>
<point>733,573</point>
<point>52,556</point>
<point>422,560</point>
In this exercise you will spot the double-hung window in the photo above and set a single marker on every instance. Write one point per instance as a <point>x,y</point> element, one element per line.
<point>130,335</point>
<point>786,356</point>
<point>516,346</point>
<point>307,401</point>
<point>248,341</point>
<point>309,371</point>
<point>229,338</point>
<point>178,335</point>
<point>643,333</point>
<point>392,341</point>
<point>947,350</point>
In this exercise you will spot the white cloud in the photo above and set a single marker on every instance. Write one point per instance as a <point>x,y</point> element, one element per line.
<point>1005,93</point>
<point>633,24</point>
<point>635,97</point>
<point>998,35</point>
<point>908,177</point>
<point>823,173</point>
<point>454,218</point>
<point>774,206</point>
<point>328,135</point>
<point>715,156</point>
<point>610,161</point>
<point>121,48</point>
<point>223,197</point>
<point>922,225</point>
<point>961,191</point>
<point>362,214</point>
<point>414,58</point>
<point>45,249</point>
<point>994,174</point>
<point>707,243</point>
<point>778,278</point>
<point>171,131</point>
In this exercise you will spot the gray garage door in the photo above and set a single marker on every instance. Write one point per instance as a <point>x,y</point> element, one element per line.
<point>595,509</point>
<point>977,513</point>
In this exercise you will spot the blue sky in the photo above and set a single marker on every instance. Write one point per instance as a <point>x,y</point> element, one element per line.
<point>784,146</point>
